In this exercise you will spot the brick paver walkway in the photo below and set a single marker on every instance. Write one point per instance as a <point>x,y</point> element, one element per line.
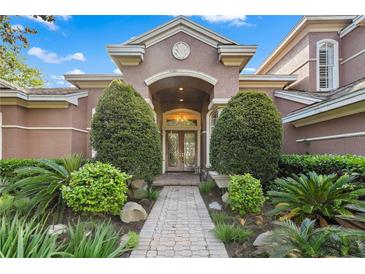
<point>179,225</point>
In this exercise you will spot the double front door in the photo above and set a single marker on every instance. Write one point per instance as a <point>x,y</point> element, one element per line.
<point>181,150</point>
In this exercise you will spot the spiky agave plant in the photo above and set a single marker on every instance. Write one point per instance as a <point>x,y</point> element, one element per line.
<point>42,184</point>
<point>319,197</point>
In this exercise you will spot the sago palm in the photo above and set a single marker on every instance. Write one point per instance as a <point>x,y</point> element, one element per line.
<point>43,183</point>
<point>307,241</point>
<point>315,196</point>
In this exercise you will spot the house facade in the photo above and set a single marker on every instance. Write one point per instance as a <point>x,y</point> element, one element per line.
<point>187,74</point>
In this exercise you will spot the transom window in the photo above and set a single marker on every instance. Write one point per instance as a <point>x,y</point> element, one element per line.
<point>327,65</point>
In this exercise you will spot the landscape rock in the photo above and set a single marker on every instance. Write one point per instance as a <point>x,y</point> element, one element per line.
<point>57,229</point>
<point>133,212</point>
<point>137,194</point>
<point>262,238</point>
<point>137,184</point>
<point>124,239</point>
<point>225,198</point>
<point>215,205</point>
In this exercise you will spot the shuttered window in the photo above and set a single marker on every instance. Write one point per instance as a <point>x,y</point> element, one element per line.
<point>327,65</point>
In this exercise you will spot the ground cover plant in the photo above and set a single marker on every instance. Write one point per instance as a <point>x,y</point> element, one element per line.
<point>314,196</point>
<point>245,194</point>
<point>125,134</point>
<point>22,237</point>
<point>206,186</point>
<point>97,188</point>
<point>247,137</point>
<point>229,233</point>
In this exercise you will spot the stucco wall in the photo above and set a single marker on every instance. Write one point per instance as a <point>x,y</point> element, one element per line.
<point>203,58</point>
<point>348,124</point>
<point>351,44</point>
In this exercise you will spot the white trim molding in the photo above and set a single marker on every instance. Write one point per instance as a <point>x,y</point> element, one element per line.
<point>332,137</point>
<point>46,128</point>
<point>180,24</point>
<point>180,72</point>
<point>92,80</point>
<point>358,21</point>
<point>326,106</point>
<point>296,98</point>
<point>72,98</point>
<point>352,57</point>
<point>218,101</point>
<point>335,77</point>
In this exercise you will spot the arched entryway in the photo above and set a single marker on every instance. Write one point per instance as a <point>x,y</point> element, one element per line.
<point>180,99</point>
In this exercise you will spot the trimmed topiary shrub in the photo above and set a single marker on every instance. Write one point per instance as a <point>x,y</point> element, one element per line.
<point>97,188</point>
<point>124,132</point>
<point>247,137</point>
<point>245,194</point>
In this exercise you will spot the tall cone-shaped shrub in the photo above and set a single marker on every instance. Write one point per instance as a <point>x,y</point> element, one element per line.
<point>124,132</point>
<point>247,137</point>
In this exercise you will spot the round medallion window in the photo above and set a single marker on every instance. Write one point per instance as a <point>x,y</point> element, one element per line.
<point>181,50</point>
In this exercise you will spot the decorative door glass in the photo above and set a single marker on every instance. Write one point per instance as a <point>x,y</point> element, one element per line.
<point>173,148</point>
<point>189,150</point>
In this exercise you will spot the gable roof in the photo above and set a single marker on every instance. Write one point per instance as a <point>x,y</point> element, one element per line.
<point>180,24</point>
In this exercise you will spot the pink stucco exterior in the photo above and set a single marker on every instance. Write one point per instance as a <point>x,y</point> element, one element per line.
<point>56,132</point>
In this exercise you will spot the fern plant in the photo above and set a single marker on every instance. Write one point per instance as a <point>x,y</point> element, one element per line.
<point>319,197</point>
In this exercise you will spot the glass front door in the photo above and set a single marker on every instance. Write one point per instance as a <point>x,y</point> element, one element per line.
<point>181,150</point>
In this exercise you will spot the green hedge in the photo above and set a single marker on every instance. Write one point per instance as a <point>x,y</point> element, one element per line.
<point>7,167</point>
<point>321,164</point>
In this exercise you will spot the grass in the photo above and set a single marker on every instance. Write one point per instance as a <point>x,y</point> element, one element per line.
<point>87,240</point>
<point>228,233</point>
<point>206,186</point>
<point>152,194</point>
<point>21,238</point>
<point>221,218</point>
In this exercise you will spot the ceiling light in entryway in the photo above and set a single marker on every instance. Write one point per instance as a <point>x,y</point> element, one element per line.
<point>181,100</point>
<point>181,89</point>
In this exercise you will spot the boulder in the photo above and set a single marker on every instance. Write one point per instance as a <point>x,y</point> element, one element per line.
<point>225,198</point>
<point>215,206</point>
<point>137,184</point>
<point>137,194</point>
<point>57,229</point>
<point>262,238</point>
<point>133,212</point>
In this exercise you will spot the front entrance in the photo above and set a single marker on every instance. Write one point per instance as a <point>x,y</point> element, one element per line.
<point>181,140</point>
<point>181,150</point>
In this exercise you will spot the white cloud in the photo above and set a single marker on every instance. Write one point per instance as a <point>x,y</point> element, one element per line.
<point>50,25</point>
<point>249,69</point>
<point>117,71</point>
<point>52,57</point>
<point>235,20</point>
<point>78,56</point>
<point>45,55</point>
<point>17,27</point>
<point>75,71</point>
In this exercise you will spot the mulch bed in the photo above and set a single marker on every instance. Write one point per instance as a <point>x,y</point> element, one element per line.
<point>256,223</point>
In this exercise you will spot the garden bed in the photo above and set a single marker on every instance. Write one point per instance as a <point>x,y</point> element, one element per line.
<point>256,223</point>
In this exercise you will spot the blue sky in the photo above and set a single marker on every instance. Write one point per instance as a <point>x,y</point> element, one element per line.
<point>78,43</point>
